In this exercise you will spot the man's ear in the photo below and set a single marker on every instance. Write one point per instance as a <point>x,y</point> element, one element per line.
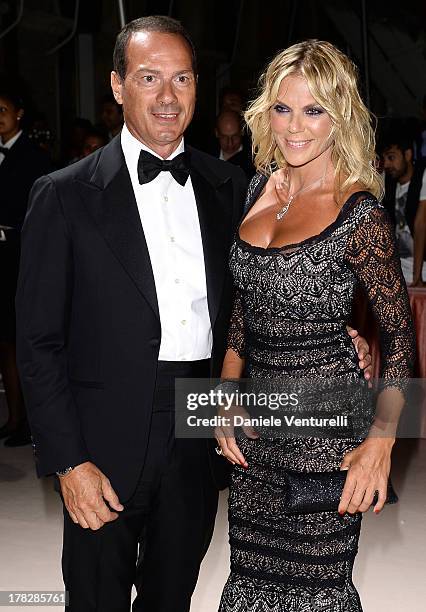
<point>408,155</point>
<point>117,87</point>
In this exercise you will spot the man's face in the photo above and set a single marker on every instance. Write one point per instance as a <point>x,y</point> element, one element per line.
<point>92,143</point>
<point>395,162</point>
<point>158,92</point>
<point>111,115</point>
<point>228,132</point>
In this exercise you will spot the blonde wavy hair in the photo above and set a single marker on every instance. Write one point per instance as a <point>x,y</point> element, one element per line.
<point>333,83</point>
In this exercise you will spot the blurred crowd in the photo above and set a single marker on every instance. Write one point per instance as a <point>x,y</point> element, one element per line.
<point>227,139</point>
<point>401,150</point>
<point>27,151</point>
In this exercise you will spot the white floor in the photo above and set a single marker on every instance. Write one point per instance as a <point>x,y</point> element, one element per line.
<point>389,571</point>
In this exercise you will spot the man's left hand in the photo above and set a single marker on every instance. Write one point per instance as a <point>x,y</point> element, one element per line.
<point>362,348</point>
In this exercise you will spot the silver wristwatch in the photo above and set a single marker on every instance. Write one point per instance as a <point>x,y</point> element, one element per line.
<point>64,472</point>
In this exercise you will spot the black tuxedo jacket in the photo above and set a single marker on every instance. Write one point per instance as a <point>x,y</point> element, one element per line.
<point>243,159</point>
<point>88,326</point>
<point>24,163</point>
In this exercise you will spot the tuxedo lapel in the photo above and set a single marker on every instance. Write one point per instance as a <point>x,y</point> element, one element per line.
<point>112,204</point>
<point>213,196</point>
<point>110,199</point>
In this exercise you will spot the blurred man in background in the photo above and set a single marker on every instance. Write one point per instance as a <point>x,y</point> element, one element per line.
<point>405,199</point>
<point>229,133</point>
<point>21,163</point>
<point>111,116</point>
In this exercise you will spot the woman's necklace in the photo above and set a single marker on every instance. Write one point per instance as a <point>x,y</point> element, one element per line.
<point>284,209</point>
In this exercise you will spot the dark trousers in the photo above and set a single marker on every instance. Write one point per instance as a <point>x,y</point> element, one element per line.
<point>171,516</point>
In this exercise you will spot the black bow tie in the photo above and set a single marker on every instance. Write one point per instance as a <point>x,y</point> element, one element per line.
<point>150,166</point>
<point>4,150</point>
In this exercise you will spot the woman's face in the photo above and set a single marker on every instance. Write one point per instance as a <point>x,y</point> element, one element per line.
<point>9,119</point>
<point>301,127</point>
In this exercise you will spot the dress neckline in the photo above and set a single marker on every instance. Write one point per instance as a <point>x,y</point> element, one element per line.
<point>329,228</point>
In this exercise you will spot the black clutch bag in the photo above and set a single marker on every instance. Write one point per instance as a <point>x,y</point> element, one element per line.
<point>308,492</point>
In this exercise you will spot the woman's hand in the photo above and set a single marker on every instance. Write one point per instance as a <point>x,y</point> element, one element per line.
<point>369,466</point>
<point>226,438</point>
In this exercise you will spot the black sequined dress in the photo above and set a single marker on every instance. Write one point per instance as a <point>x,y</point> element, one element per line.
<point>290,313</point>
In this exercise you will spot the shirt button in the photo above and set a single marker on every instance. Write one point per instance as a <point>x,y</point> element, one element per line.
<point>166,199</point>
<point>183,322</point>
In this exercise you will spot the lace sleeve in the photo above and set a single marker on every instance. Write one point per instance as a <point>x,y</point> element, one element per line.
<point>236,340</point>
<point>372,255</point>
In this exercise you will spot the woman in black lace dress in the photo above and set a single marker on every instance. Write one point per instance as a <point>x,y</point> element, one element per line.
<point>312,231</point>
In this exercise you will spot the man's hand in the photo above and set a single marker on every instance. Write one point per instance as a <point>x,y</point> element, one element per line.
<point>84,491</point>
<point>362,348</point>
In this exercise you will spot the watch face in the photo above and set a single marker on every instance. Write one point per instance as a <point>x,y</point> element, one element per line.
<point>64,472</point>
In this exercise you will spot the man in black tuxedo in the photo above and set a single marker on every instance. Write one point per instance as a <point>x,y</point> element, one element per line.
<point>21,163</point>
<point>124,286</point>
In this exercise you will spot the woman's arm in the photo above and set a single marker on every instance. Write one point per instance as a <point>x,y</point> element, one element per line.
<point>372,255</point>
<point>233,365</point>
<point>233,368</point>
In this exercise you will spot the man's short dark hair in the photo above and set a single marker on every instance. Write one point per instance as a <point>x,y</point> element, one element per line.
<point>395,139</point>
<point>153,23</point>
<point>12,91</point>
<point>96,133</point>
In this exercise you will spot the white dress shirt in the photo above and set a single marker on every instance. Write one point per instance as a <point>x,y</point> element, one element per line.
<point>9,144</point>
<point>224,158</point>
<point>169,217</point>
